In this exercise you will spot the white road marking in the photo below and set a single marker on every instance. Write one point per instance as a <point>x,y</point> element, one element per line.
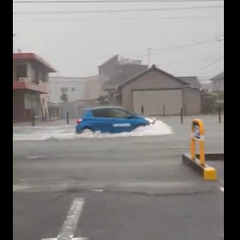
<point>70,224</point>
<point>35,157</point>
<point>20,188</point>
<point>222,189</point>
<point>40,188</point>
<point>71,238</point>
<point>97,190</point>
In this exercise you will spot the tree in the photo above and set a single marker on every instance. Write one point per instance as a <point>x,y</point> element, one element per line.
<point>102,100</point>
<point>64,97</point>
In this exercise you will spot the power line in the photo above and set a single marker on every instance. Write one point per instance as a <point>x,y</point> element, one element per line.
<point>213,63</point>
<point>109,1</point>
<point>211,40</point>
<point>108,19</point>
<point>183,46</point>
<point>117,10</point>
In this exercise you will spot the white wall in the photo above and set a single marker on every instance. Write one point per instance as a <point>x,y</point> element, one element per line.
<point>56,83</point>
<point>88,88</point>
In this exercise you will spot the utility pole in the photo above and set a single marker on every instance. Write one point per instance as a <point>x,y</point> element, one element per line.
<point>149,55</point>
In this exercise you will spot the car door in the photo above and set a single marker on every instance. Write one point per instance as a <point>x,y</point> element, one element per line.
<point>121,121</point>
<point>102,120</point>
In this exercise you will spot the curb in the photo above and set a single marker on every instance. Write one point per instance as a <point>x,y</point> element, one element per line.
<point>208,172</point>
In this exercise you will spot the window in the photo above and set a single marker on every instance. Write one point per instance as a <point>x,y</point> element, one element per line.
<point>21,71</point>
<point>105,113</point>
<point>118,113</point>
<point>73,89</point>
<point>35,75</point>
<point>64,89</point>
<point>110,113</point>
<point>41,75</point>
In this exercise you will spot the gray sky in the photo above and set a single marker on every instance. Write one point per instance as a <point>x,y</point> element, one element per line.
<point>186,38</point>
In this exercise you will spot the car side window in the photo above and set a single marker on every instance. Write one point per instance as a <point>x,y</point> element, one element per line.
<point>104,113</point>
<point>118,113</point>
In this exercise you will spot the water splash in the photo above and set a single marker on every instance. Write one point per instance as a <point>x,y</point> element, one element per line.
<point>67,132</point>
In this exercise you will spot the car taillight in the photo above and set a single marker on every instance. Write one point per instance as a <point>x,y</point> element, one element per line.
<point>79,120</point>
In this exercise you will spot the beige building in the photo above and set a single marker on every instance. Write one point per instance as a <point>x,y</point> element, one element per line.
<point>94,88</point>
<point>158,93</point>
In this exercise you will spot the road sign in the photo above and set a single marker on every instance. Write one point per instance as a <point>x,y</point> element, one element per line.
<point>196,131</point>
<point>197,136</point>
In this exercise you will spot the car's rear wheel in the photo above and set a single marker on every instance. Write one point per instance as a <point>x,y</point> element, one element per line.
<point>87,131</point>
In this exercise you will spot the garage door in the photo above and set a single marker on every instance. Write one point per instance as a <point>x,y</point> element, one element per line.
<point>154,100</point>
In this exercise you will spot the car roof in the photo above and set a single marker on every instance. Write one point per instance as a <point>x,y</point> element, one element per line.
<point>103,107</point>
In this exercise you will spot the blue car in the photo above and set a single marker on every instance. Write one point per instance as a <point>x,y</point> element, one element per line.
<point>110,120</point>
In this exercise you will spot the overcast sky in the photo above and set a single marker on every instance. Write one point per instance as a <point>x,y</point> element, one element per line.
<point>186,38</point>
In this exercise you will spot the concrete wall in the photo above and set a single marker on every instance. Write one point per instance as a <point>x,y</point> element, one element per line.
<point>71,108</point>
<point>192,101</point>
<point>151,80</point>
<point>158,102</point>
<point>75,108</point>
<point>56,83</point>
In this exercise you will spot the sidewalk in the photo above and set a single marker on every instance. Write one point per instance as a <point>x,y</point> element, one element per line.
<point>58,122</point>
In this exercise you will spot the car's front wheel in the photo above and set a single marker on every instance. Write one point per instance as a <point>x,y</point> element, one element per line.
<point>140,126</point>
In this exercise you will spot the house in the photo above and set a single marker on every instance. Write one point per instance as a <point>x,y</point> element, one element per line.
<point>192,80</point>
<point>115,71</point>
<point>218,83</point>
<point>159,93</point>
<point>30,86</point>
